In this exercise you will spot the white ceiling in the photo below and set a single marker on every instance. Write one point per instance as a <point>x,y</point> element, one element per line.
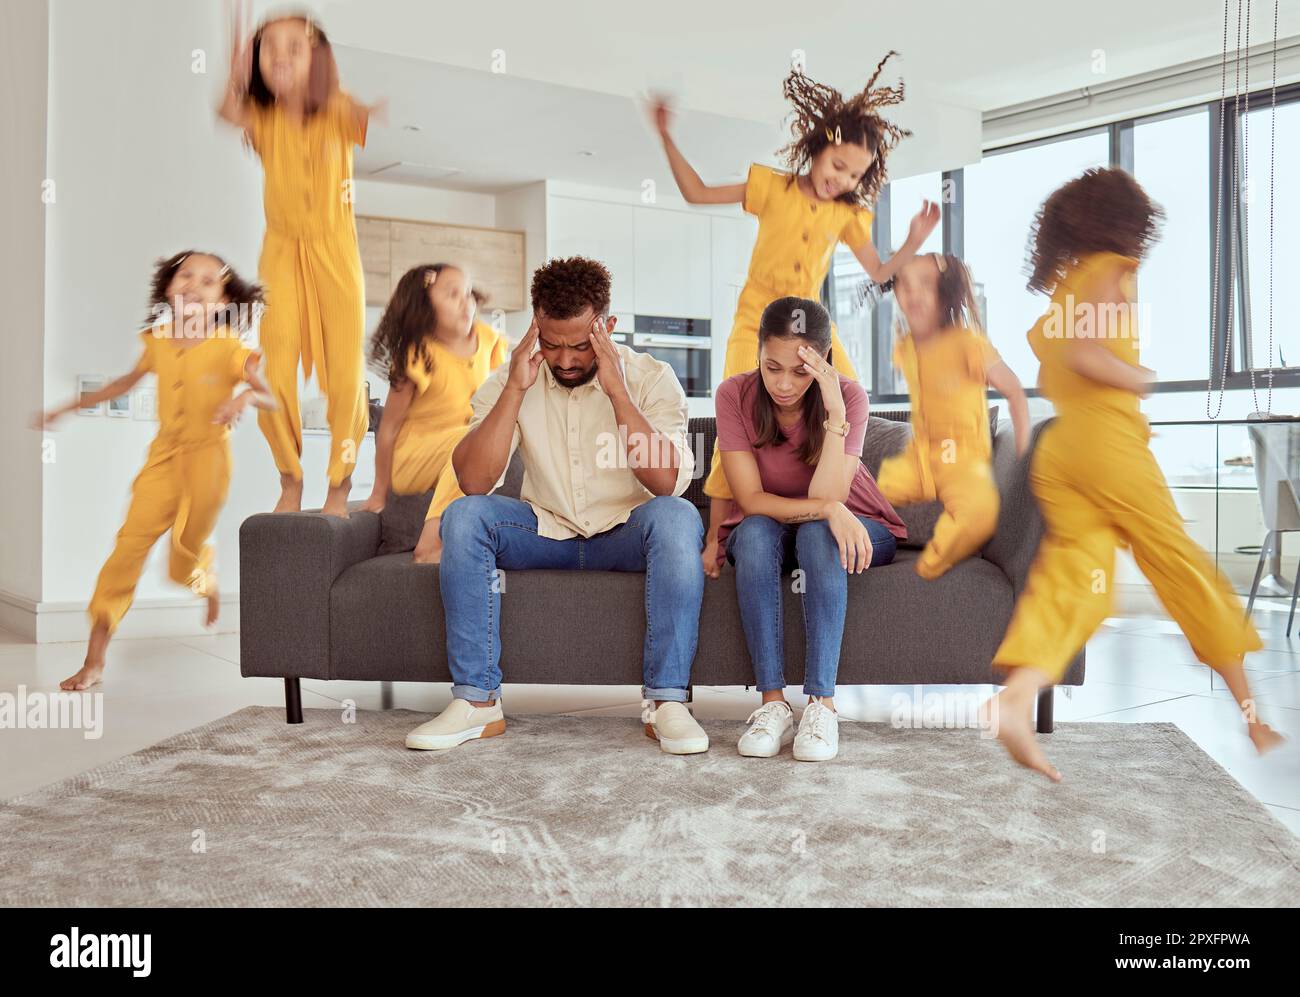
<point>574,67</point>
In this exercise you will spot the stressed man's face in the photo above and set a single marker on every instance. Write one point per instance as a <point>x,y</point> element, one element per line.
<point>565,345</point>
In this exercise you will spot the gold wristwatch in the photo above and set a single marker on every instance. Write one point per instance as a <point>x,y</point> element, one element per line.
<point>841,429</point>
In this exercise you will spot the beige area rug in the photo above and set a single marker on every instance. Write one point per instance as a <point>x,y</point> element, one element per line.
<point>586,811</point>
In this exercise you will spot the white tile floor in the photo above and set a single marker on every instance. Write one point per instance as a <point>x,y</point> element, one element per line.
<point>1139,670</point>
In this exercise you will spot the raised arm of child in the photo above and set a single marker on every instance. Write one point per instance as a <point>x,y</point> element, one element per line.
<point>114,389</point>
<point>693,189</point>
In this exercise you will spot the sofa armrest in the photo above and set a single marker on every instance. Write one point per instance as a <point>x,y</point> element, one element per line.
<point>287,565</point>
<point>1020,524</point>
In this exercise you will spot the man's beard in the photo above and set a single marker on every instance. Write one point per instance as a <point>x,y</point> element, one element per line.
<point>578,383</point>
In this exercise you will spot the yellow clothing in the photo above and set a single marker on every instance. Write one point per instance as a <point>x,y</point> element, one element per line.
<point>183,484</point>
<point>440,413</point>
<point>950,455</point>
<point>311,269</point>
<point>792,252</point>
<point>1099,486</point>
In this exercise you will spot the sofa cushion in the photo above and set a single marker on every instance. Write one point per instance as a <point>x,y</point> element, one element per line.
<point>587,627</point>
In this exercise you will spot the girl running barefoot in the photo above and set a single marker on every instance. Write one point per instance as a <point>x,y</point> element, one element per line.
<point>437,354</point>
<point>1093,473</point>
<point>200,308</point>
<point>837,167</point>
<point>284,94</point>
<point>949,365</point>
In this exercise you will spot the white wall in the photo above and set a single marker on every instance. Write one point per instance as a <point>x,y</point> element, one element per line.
<point>23,68</point>
<point>142,169</point>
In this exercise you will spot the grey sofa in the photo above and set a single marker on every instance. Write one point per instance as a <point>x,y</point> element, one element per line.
<point>328,598</point>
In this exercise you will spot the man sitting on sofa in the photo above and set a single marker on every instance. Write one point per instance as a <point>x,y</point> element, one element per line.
<point>602,429</point>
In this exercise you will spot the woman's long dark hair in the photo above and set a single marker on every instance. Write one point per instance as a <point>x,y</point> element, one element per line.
<point>406,322</point>
<point>805,320</point>
<point>322,80</point>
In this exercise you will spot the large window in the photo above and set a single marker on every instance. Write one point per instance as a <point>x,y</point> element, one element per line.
<point>1174,156</point>
<point>1171,161</point>
<point>1002,194</point>
<point>905,197</point>
<point>1258,143</point>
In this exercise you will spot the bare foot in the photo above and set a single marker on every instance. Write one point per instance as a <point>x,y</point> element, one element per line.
<point>290,494</point>
<point>424,555</point>
<point>214,607</point>
<point>1264,737</point>
<point>336,499</point>
<point>1011,718</point>
<point>89,675</point>
<point>428,550</point>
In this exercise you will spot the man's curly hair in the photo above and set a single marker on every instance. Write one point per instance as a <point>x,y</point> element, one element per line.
<point>822,116</point>
<point>1100,211</point>
<point>565,288</point>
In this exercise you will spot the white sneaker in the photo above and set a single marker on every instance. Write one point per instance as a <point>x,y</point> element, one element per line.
<point>771,728</point>
<point>818,739</point>
<point>461,721</point>
<point>676,730</point>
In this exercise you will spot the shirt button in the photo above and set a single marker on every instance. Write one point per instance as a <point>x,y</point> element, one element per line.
<point>805,236</point>
<point>797,266</point>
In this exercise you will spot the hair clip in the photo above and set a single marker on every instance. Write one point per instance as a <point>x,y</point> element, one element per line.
<point>429,277</point>
<point>225,273</point>
<point>941,262</point>
<point>835,136</point>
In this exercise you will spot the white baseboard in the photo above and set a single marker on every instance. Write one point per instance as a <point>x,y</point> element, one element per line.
<point>55,622</point>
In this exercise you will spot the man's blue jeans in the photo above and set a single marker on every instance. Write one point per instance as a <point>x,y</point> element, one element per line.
<point>482,533</point>
<point>761,549</point>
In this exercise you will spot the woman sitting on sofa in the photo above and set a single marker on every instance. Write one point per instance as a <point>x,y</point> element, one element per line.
<point>791,435</point>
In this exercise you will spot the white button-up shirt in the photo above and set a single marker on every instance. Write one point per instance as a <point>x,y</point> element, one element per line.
<point>577,475</point>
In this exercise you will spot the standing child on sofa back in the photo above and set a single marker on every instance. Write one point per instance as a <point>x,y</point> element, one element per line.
<point>837,169</point>
<point>437,354</point>
<point>949,364</point>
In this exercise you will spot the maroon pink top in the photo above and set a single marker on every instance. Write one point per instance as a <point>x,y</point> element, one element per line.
<point>779,466</point>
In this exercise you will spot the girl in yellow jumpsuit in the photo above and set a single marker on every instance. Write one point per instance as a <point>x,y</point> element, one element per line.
<point>948,363</point>
<point>198,362</point>
<point>284,94</point>
<point>437,354</point>
<point>1093,473</point>
<point>837,168</point>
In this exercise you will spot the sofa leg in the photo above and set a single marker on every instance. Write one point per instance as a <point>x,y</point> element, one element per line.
<point>1046,699</point>
<point>292,701</point>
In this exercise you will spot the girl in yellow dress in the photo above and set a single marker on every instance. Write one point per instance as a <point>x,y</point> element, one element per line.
<point>1097,482</point>
<point>201,308</point>
<point>837,167</point>
<point>284,94</point>
<point>436,354</point>
<point>949,365</point>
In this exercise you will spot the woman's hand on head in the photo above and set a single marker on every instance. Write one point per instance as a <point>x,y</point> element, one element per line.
<point>828,382</point>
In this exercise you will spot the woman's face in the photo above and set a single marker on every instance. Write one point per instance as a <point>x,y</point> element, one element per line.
<point>452,297</point>
<point>285,56</point>
<point>782,370</point>
<point>839,169</point>
<point>198,287</point>
<point>916,289</point>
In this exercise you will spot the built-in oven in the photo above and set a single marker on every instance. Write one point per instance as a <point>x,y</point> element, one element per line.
<point>685,344</point>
